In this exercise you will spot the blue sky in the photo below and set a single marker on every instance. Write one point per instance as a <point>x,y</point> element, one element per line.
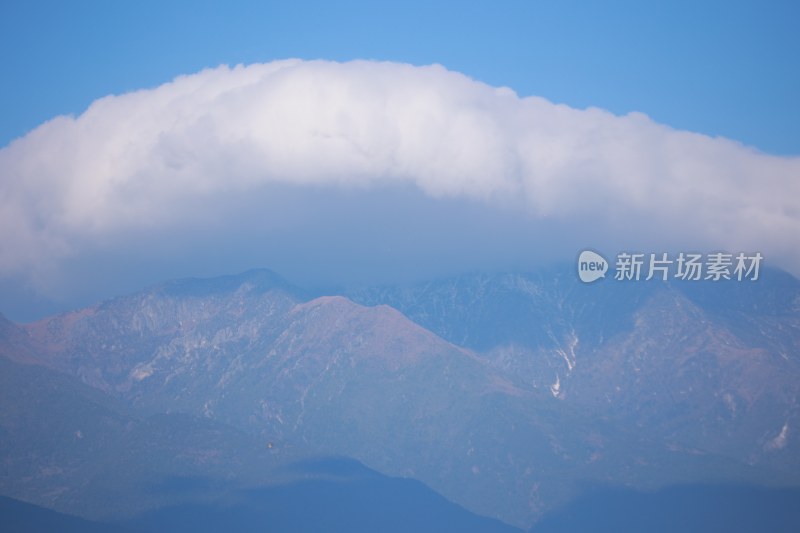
<point>337,171</point>
<point>725,68</point>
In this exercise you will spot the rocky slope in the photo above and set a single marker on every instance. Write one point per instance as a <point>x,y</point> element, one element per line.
<point>505,393</point>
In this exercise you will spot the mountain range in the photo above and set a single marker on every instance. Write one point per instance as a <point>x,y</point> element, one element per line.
<point>510,395</point>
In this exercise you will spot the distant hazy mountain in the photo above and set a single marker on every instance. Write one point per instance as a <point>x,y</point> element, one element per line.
<point>705,366</point>
<point>688,509</point>
<point>21,517</point>
<point>75,449</point>
<point>71,447</point>
<point>505,393</point>
<point>339,496</point>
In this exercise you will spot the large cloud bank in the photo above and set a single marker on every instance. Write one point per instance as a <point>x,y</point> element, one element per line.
<point>142,161</point>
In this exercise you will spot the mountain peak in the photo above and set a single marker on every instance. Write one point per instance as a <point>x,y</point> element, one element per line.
<point>258,280</point>
<point>376,331</point>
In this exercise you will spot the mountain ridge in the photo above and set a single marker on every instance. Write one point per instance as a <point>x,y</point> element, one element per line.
<point>502,392</point>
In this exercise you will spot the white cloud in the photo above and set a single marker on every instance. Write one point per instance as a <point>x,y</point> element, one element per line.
<point>145,161</point>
